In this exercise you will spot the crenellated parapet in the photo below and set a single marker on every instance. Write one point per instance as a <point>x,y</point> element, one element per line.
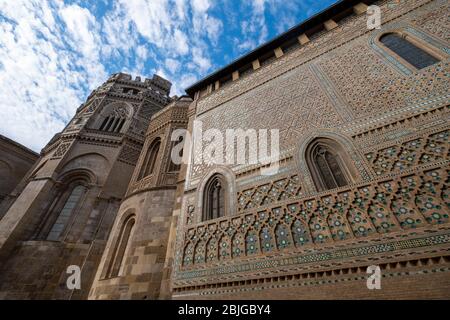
<point>120,108</point>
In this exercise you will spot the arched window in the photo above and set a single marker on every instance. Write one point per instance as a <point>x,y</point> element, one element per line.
<point>214,198</point>
<point>328,164</point>
<point>112,124</point>
<point>150,159</point>
<point>120,248</point>
<point>409,51</point>
<point>113,118</point>
<point>64,216</point>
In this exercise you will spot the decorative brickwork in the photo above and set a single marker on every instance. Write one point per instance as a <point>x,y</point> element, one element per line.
<point>405,202</point>
<point>420,151</point>
<point>62,149</point>
<point>129,154</point>
<point>363,176</point>
<point>392,123</point>
<point>269,193</point>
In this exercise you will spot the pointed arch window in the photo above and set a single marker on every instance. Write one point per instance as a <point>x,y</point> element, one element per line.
<point>113,118</point>
<point>408,50</point>
<point>120,249</point>
<point>214,198</point>
<point>150,159</point>
<point>329,165</point>
<point>71,203</point>
<point>112,124</point>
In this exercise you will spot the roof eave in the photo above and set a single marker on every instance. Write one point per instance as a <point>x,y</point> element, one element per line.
<point>295,31</point>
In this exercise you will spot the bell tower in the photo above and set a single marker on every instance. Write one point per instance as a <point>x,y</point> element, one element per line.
<point>65,206</point>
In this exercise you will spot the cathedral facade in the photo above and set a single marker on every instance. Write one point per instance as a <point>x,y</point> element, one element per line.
<point>361,116</point>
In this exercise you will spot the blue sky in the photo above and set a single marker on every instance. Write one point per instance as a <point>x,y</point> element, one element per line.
<point>53,53</point>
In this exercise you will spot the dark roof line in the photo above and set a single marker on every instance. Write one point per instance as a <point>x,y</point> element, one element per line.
<point>295,31</point>
<point>18,145</point>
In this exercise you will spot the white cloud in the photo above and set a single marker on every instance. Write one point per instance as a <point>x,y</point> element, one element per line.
<point>172,65</point>
<point>183,82</point>
<point>203,23</point>
<point>45,71</point>
<point>213,28</point>
<point>258,6</point>
<point>84,36</point>
<point>200,6</point>
<point>141,52</point>
<point>187,80</point>
<point>200,60</point>
<point>118,36</point>
<point>150,18</point>
<point>180,9</point>
<point>254,27</point>
<point>52,54</point>
<point>154,20</point>
<point>82,26</point>
<point>180,41</point>
<point>246,45</point>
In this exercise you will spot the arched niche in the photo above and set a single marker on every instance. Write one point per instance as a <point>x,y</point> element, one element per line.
<point>114,117</point>
<point>229,182</point>
<point>342,150</point>
<point>92,162</point>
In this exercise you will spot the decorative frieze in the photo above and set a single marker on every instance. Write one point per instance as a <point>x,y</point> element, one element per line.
<point>388,205</point>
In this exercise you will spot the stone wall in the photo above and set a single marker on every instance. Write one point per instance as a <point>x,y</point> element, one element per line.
<point>15,161</point>
<point>97,151</point>
<point>151,202</point>
<point>143,265</point>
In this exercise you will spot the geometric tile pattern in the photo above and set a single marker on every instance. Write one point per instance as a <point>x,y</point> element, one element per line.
<point>306,258</point>
<point>401,203</point>
<point>281,223</point>
<point>269,193</point>
<point>420,151</point>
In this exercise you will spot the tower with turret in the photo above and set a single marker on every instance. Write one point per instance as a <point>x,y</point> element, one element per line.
<point>136,263</point>
<point>65,206</point>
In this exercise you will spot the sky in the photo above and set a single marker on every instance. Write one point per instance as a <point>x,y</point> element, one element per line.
<point>54,53</point>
